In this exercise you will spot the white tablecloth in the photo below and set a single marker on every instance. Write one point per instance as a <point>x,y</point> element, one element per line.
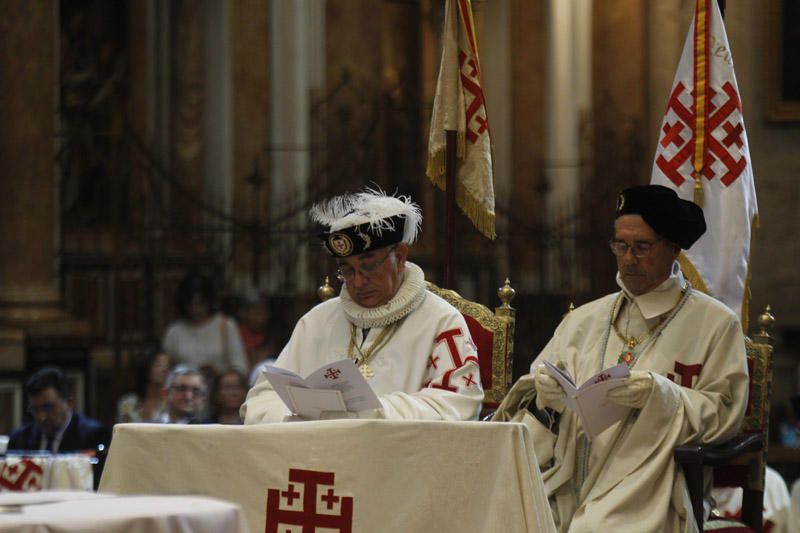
<point>40,472</point>
<point>374,475</point>
<point>87,512</point>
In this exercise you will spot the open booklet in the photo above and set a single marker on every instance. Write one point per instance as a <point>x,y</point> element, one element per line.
<point>337,386</point>
<point>589,400</point>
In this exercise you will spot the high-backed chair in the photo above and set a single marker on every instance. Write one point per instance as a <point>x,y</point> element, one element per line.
<point>740,462</point>
<point>492,332</point>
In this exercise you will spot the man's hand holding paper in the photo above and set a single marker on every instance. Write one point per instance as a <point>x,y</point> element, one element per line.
<point>548,392</point>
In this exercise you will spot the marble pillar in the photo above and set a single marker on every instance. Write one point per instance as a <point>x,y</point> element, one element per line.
<point>29,296</point>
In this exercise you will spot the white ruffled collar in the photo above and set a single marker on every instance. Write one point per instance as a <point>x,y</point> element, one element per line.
<point>409,296</point>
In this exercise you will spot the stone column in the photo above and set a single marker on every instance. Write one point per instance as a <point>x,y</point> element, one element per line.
<point>568,104</point>
<point>27,105</point>
<point>29,298</point>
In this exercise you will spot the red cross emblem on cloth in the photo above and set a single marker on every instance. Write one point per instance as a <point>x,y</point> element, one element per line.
<point>724,158</point>
<point>24,475</point>
<point>332,373</point>
<point>306,503</point>
<point>477,123</point>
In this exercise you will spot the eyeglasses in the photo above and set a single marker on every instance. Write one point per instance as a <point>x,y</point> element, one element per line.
<point>640,249</point>
<point>346,273</point>
<point>197,391</point>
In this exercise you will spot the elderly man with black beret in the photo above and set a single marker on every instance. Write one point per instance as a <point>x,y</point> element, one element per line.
<point>688,379</point>
<point>412,347</point>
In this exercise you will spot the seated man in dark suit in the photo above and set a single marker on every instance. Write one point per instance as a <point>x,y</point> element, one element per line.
<point>55,427</point>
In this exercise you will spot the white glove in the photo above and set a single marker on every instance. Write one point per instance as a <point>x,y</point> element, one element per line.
<point>634,392</point>
<point>548,392</point>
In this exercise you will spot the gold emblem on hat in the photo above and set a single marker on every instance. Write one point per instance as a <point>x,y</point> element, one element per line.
<point>341,244</point>
<point>620,202</point>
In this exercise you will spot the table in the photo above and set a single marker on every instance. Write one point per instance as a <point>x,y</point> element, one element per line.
<point>357,475</point>
<point>88,512</point>
<point>46,471</point>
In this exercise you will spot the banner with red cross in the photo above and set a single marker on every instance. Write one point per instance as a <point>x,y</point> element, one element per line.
<point>460,106</point>
<point>703,154</point>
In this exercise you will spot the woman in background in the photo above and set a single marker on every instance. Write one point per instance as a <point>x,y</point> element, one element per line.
<point>146,403</point>
<point>228,392</point>
<point>201,336</point>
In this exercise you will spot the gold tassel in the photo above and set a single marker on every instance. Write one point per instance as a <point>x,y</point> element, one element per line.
<point>698,191</point>
<point>692,275</point>
<point>483,220</point>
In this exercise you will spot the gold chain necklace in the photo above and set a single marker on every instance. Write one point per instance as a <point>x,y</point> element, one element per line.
<point>632,342</point>
<point>362,358</point>
<point>629,354</point>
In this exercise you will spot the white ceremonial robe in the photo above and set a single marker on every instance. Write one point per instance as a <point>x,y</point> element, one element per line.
<point>627,479</point>
<point>427,371</point>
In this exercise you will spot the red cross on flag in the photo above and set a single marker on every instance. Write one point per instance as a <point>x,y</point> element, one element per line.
<point>459,106</point>
<point>703,154</point>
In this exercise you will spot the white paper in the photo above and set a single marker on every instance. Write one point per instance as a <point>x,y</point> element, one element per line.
<point>341,376</point>
<point>589,400</point>
<point>310,403</point>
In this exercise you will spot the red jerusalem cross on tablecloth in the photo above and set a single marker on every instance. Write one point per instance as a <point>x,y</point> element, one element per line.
<point>24,475</point>
<point>305,508</point>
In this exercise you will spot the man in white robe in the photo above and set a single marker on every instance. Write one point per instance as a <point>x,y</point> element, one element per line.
<point>413,347</point>
<point>688,379</point>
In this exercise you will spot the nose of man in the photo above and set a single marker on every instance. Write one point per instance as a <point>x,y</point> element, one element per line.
<point>359,280</point>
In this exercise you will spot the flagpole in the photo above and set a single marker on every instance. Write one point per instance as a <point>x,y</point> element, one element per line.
<point>450,208</point>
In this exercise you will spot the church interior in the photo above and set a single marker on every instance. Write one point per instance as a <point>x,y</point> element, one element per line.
<point>144,139</point>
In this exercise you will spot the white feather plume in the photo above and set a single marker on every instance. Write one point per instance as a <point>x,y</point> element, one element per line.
<point>370,206</point>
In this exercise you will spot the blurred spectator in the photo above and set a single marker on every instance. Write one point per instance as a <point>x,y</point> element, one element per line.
<point>146,402</point>
<point>201,336</point>
<point>184,395</point>
<point>253,317</point>
<point>56,427</point>
<point>227,395</point>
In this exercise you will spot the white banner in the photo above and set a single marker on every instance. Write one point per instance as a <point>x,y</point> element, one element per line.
<point>718,263</point>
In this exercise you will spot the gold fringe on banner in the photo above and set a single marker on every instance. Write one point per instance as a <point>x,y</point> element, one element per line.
<point>482,219</point>
<point>435,169</point>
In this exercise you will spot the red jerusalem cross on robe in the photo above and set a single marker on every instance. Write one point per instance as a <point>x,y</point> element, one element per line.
<point>724,158</point>
<point>458,361</point>
<point>308,505</point>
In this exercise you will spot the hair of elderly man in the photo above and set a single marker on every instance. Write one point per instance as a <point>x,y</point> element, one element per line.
<point>183,370</point>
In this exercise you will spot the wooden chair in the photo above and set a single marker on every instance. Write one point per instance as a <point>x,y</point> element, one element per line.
<point>739,462</point>
<point>492,332</point>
